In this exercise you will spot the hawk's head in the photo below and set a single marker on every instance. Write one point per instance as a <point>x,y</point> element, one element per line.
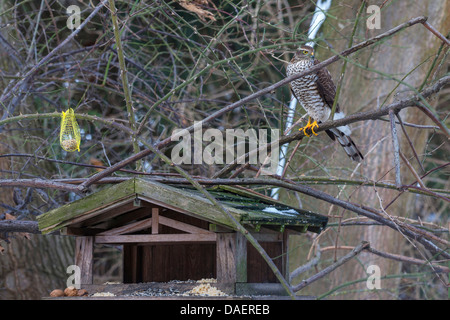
<point>304,53</point>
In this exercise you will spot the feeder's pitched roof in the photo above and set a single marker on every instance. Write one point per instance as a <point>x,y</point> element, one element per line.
<point>246,206</point>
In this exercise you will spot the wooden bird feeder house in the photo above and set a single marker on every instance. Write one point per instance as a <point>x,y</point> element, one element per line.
<point>173,233</point>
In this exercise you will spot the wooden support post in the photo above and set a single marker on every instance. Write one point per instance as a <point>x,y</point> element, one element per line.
<point>226,257</point>
<point>155,220</point>
<point>285,251</point>
<point>84,256</point>
<point>241,258</point>
<point>231,253</point>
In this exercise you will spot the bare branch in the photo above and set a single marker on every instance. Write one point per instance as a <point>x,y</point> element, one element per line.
<point>436,267</point>
<point>363,245</point>
<point>303,268</point>
<point>436,32</point>
<point>38,183</point>
<point>398,180</point>
<point>19,226</point>
<point>402,124</point>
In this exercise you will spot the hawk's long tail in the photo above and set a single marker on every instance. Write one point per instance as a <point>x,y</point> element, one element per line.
<point>346,142</point>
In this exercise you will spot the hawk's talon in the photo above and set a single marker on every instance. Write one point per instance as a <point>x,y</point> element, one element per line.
<point>310,126</point>
<point>304,131</point>
<point>313,126</point>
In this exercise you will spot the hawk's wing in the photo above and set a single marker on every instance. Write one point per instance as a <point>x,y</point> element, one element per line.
<point>325,86</point>
<point>292,92</point>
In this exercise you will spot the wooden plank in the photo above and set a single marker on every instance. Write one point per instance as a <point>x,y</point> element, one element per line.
<point>155,220</point>
<point>218,228</point>
<point>285,258</point>
<point>72,231</point>
<point>105,214</point>
<point>266,237</point>
<point>181,226</point>
<point>129,228</point>
<point>84,258</point>
<point>126,218</point>
<point>226,257</point>
<point>148,260</point>
<point>258,269</point>
<point>130,263</point>
<point>157,238</point>
<point>190,261</point>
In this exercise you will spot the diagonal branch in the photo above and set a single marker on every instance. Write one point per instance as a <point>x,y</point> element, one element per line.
<point>19,226</point>
<point>363,245</point>
<point>38,183</point>
<point>396,145</point>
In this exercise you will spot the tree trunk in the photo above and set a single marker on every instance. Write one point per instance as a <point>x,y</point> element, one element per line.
<point>401,57</point>
<point>31,269</point>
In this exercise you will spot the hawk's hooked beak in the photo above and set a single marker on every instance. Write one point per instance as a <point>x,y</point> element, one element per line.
<point>312,55</point>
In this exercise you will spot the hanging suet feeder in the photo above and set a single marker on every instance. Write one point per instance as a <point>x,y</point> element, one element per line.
<point>69,136</point>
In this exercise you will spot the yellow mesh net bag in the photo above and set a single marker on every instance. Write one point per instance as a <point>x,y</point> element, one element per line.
<point>69,136</point>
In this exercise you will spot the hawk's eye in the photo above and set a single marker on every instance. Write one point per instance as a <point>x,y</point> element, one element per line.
<point>305,51</point>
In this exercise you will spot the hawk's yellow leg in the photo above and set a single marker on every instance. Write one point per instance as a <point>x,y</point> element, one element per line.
<point>310,126</point>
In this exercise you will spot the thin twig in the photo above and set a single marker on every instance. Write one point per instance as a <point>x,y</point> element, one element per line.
<point>57,115</point>
<point>436,267</point>
<point>363,245</point>
<point>402,124</point>
<point>38,183</point>
<point>303,268</point>
<point>412,185</point>
<point>436,32</point>
<point>294,151</point>
<point>413,171</point>
<point>124,77</point>
<point>435,119</point>
<point>396,146</point>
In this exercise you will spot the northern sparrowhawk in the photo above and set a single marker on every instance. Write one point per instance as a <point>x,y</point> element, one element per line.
<point>316,92</point>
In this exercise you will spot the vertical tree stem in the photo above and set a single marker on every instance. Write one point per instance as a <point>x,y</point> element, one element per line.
<point>344,66</point>
<point>124,77</point>
<point>398,180</point>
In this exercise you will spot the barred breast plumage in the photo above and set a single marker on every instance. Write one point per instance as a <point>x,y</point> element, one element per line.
<point>306,90</point>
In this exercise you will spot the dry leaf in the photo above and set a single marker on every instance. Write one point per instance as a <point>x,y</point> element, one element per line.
<point>97,162</point>
<point>9,217</point>
<point>194,6</point>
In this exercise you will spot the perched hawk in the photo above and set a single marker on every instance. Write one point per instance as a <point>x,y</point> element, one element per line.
<point>316,92</point>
